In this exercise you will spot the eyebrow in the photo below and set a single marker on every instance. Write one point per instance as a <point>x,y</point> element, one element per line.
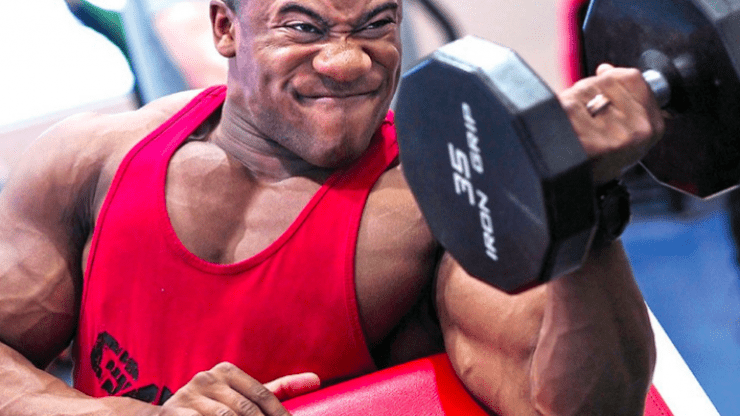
<point>297,8</point>
<point>376,11</point>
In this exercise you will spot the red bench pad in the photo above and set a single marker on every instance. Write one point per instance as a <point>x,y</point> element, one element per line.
<point>427,387</point>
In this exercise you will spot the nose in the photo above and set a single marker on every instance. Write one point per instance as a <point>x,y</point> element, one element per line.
<point>342,61</point>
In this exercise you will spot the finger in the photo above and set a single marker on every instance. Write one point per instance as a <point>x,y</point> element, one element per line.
<point>218,402</point>
<point>230,402</point>
<point>603,68</point>
<point>251,389</point>
<point>634,83</point>
<point>624,105</point>
<point>574,99</point>
<point>619,134</point>
<point>294,385</point>
<point>645,108</point>
<point>630,104</point>
<point>179,411</point>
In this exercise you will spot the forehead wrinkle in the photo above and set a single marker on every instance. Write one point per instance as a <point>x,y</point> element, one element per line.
<point>307,9</point>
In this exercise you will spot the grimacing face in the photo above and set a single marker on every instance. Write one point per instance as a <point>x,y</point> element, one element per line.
<point>316,76</point>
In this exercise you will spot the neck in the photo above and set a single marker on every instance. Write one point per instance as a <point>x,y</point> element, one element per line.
<point>264,158</point>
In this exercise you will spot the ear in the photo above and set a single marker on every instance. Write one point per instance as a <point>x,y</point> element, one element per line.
<point>223,25</point>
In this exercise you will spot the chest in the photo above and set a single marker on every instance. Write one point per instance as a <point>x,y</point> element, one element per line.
<point>219,216</point>
<point>225,219</point>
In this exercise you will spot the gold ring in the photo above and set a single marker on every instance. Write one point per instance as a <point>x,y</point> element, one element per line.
<point>597,104</point>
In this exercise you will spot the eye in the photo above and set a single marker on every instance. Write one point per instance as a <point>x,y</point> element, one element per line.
<point>379,23</point>
<point>305,28</point>
<point>376,28</point>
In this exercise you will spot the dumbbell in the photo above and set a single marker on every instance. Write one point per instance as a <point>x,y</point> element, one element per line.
<point>695,44</point>
<point>497,169</point>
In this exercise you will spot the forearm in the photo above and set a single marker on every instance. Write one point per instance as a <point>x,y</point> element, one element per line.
<point>26,390</point>
<point>595,352</point>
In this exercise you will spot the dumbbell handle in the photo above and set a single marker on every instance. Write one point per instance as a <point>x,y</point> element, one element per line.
<point>659,85</point>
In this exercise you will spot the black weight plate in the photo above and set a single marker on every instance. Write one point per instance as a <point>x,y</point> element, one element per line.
<point>700,153</point>
<point>503,203</point>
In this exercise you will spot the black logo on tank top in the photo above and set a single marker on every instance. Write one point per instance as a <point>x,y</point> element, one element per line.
<point>117,372</point>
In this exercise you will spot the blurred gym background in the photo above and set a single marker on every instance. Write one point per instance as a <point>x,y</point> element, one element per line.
<point>682,249</point>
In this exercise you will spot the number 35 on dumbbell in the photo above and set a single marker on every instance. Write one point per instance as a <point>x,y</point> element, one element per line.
<point>497,169</point>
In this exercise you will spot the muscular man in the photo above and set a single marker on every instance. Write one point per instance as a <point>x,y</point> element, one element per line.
<point>212,242</point>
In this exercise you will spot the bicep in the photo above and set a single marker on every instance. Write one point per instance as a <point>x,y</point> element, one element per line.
<point>489,336</point>
<point>42,233</point>
<point>37,294</point>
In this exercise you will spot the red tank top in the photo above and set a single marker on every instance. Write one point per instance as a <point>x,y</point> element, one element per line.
<point>153,314</point>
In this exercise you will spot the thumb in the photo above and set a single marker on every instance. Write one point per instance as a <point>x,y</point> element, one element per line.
<point>603,68</point>
<point>294,385</point>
